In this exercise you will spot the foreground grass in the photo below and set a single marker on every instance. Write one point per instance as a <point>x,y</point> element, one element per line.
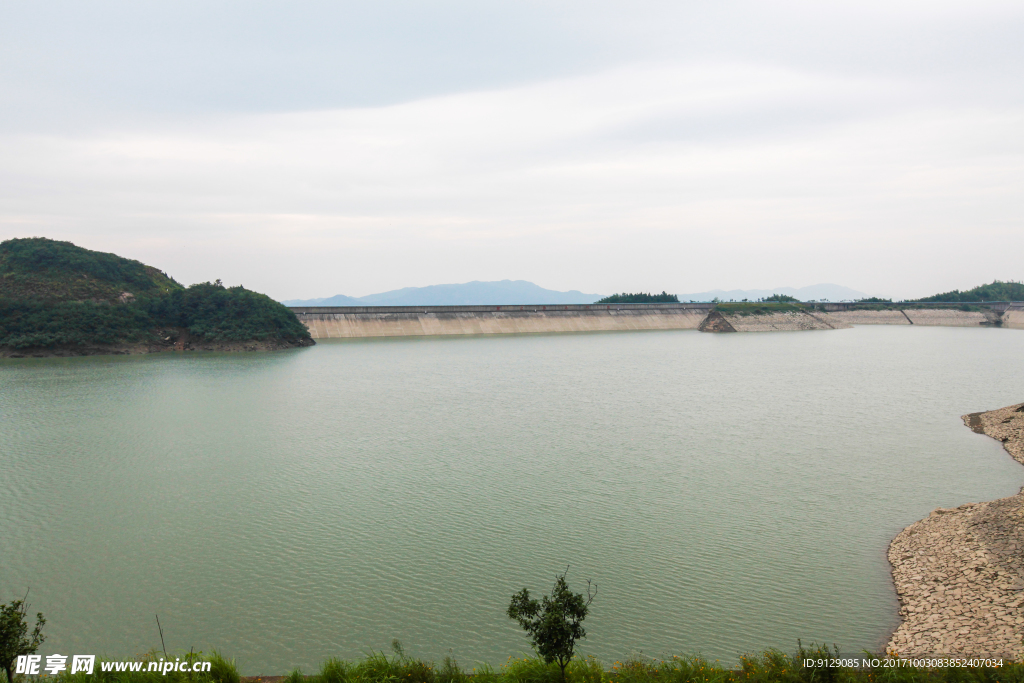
<point>770,666</point>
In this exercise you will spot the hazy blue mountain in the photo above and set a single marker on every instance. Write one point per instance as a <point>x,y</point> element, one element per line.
<point>508,292</point>
<point>810,293</point>
<point>336,300</point>
<point>504,292</point>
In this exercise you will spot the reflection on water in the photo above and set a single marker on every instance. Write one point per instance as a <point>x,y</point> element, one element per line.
<point>725,492</point>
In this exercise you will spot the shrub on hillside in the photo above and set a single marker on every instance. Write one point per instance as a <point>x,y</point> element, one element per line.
<point>71,323</point>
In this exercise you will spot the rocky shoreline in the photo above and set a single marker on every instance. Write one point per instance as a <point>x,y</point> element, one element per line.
<point>959,573</point>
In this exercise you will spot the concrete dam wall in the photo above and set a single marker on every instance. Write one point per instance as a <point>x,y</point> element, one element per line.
<point>944,317</point>
<point>329,322</point>
<point>415,321</point>
<point>1013,317</point>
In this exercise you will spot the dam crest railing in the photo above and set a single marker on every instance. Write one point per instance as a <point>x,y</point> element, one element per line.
<point>509,308</point>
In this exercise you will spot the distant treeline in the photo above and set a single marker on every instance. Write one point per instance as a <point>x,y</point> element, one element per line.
<point>640,298</point>
<point>57,294</point>
<point>997,291</point>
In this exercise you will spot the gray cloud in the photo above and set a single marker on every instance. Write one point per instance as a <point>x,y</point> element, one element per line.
<point>595,146</point>
<point>161,58</point>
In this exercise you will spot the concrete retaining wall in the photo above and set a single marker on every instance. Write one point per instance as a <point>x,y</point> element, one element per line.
<point>945,317</point>
<point>1014,317</point>
<point>951,318</point>
<point>870,317</point>
<point>409,321</point>
<point>782,321</point>
<point>405,321</point>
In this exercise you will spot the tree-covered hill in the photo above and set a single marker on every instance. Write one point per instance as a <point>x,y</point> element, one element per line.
<point>996,291</point>
<point>211,311</point>
<point>58,296</point>
<point>42,269</point>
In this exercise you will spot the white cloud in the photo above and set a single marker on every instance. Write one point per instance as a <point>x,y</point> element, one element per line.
<point>682,173</point>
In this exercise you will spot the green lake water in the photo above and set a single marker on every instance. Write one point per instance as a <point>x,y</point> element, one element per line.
<point>726,493</point>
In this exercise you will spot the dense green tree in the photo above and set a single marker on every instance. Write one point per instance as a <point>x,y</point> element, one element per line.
<point>556,623</point>
<point>15,637</point>
<point>640,298</point>
<point>212,311</point>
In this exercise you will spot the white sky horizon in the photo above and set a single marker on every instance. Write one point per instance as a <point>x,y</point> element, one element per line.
<point>307,151</point>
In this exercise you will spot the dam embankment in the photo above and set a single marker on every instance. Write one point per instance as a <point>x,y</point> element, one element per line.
<point>415,321</point>
<point>945,317</point>
<point>329,322</point>
<point>1013,317</point>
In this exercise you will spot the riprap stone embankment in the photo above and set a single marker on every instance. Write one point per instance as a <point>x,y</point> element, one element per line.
<point>782,321</point>
<point>959,573</point>
<point>945,317</point>
<point>948,317</point>
<point>883,317</point>
<point>793,320</point>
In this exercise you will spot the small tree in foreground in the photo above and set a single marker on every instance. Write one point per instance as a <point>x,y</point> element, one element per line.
<point>15,638</point>
<point>556,623</point>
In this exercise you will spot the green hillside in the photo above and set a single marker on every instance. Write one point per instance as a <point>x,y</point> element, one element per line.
<point>997,291</point>
<point>58,295</point>
<point>42,269</point>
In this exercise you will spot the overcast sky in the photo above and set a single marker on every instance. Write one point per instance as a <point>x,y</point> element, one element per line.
<point>306,149</point>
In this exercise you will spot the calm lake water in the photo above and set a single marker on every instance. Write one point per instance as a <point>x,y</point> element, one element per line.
<point>726,493</point>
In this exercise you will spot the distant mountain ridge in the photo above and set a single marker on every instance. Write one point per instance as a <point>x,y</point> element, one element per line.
<point>825,290</point>
<point>501,293</point>
<point>509,292</point>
